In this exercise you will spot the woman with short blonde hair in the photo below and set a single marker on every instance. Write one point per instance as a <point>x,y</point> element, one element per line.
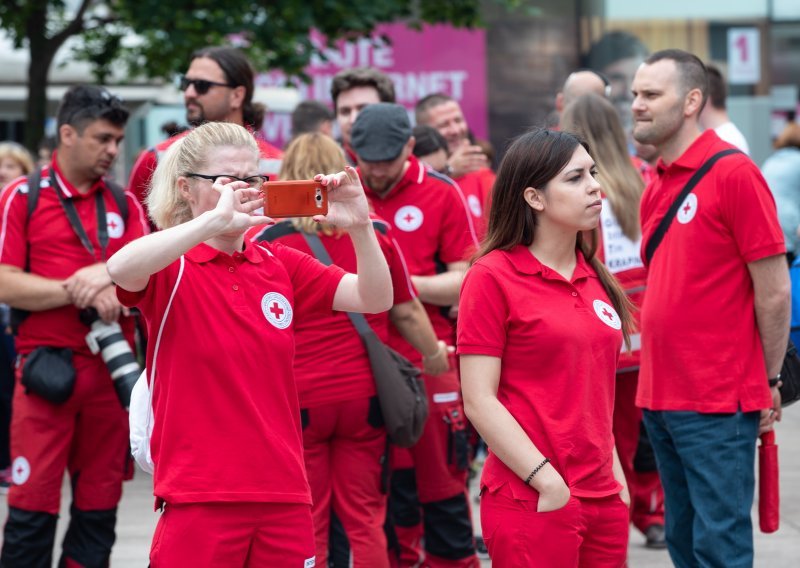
<point>15,161</point>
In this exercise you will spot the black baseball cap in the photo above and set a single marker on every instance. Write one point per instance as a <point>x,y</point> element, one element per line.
<point>380,132</point>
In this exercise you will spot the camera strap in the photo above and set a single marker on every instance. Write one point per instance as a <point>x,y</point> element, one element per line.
<point>77,226</point>
<point>321,253</point>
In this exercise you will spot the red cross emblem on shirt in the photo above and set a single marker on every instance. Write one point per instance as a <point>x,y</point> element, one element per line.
<point>276,310</point>
<point>687,208</point>
<point>608,314</point>
<point>408,218</point>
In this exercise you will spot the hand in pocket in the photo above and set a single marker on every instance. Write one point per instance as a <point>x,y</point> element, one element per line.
<point>553,492</point>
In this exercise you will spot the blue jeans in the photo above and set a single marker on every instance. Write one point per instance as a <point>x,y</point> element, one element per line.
<point>706,464</point>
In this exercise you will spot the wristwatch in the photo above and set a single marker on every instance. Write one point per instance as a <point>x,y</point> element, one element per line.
<point>773,382</point>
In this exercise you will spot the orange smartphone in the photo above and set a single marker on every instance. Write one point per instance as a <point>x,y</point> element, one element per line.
<point>301,198</point>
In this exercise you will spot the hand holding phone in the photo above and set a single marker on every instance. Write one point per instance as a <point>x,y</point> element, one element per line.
<point>348,204</point>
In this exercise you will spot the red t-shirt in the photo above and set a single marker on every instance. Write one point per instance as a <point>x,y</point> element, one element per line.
<point>56,252</point>
<point>559,342</point>
<point>142,172</point>
<point>226,416</point>
<point>477,188</point>
<point>701,350</point>
<point>346,373</point>
<point>431,222</point>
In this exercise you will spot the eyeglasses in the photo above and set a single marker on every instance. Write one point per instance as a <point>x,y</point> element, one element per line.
<point>253,181</point>
<point>200,85</point>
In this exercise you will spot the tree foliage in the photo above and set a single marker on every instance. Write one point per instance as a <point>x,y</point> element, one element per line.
<point>274,32</point>
<point>154,38</point>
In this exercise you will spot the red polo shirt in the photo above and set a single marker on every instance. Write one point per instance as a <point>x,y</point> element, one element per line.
<point>346,373</point>
<point>226,415</point>
<point>56,252</point>
<point>559,342</point>
<point>142,172</point>
<point>477,188</point>
<point>431,222</point>
<point>701,350</point>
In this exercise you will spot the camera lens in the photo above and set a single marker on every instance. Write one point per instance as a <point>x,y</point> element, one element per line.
<point>108,340</point>
<point>319,198</point>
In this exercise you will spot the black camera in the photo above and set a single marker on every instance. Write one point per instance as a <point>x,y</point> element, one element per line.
<point>108,340</point>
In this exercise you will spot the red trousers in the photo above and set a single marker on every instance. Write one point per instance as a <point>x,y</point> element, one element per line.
<point>435,458</point>
<point>590,533</point>
<point>440,465</point>
<point>234,535</point>
<point>87,434</point>
<point>344,452</point>
<point>647,496</point>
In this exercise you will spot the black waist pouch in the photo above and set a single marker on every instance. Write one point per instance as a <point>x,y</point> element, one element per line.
<point>48,372</point>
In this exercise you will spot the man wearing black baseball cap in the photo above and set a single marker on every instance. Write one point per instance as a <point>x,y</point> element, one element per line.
<point>434,229</point>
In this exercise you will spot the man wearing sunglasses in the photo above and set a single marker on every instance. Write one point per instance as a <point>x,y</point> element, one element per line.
<point>217,87</point>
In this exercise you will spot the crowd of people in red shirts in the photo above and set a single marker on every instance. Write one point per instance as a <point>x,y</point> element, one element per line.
<point>541,327</point>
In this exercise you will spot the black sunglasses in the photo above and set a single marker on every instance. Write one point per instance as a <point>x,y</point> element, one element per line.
<point>200,85</point>
<point>253,181</point>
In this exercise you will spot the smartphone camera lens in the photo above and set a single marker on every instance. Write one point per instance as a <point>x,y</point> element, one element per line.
<point>319,197</point>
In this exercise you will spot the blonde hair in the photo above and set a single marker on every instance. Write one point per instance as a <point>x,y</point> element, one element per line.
<point>165,203</point>
<point>306,156</point>
<point>595,120</point>
<point>19,154</point>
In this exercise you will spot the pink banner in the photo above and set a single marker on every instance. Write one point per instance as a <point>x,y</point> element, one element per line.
<point>435,59</point>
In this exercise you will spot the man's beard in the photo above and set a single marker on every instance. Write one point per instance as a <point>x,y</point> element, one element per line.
<point>377,187</point>
<point>199,116</point>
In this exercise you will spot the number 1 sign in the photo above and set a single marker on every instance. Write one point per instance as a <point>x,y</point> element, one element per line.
<point>744,56</point>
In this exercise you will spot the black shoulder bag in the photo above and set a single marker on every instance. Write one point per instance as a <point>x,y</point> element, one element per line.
<point>790,372</point>
<point>401,393</point>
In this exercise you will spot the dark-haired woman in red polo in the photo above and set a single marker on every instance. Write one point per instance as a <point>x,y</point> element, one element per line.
<point>541,324</point>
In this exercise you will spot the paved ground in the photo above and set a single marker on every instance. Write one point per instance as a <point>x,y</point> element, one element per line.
<point>778,550</point>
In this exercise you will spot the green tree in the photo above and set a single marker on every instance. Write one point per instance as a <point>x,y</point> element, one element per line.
<point>154,38</point>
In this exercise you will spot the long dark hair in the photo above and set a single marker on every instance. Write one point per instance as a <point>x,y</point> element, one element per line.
<point>239,73</point>
<point>533,160</point>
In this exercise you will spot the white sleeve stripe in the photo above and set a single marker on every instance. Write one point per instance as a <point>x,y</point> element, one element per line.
<point>160,333</point>
<point>142,214</point>
<point>255,237</point>
<point>141,158</point>
<point>472,231</point>
<point>64,189</point>
<point>5,221</point>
